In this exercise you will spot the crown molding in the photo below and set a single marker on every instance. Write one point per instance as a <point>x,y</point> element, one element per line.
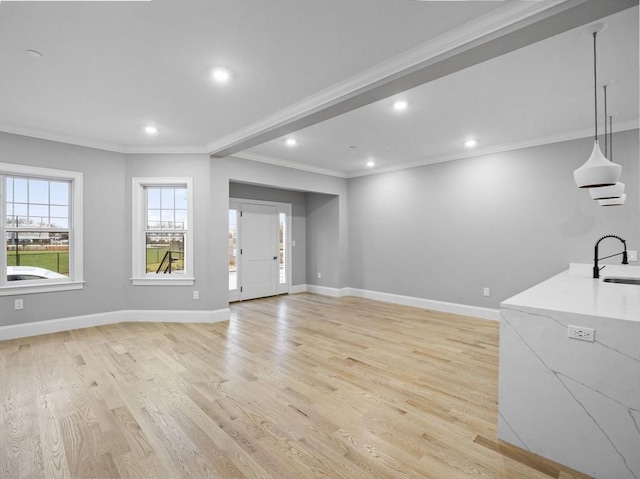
<point>575,135</point>
<point>629,125</point>
<point>166,150</point>
<point>483,27</point>
<point>287,164</point>
<point>548,140</point>
<point>99,145</point>
<point>71,140</point>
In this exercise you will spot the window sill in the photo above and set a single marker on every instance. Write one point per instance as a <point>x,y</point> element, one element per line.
<point>40,288</point>
<point>162,281</point>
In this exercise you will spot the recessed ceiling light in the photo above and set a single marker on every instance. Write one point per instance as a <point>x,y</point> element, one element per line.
<point>221,75</point>
<point>371,163</point>
<point>34,53</point>
<point>400,105</point>
<point>291,142</point>
<point>470,143</point>
<point>152,130</point>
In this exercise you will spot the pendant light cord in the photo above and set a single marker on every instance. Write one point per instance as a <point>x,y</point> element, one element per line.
<point>595,84</point>
<point>611,139</point>
<point>606,138</point>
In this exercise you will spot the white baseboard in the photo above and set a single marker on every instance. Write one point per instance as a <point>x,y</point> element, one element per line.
<point>77,322</point>
<point>297,288</point>
<point>326,291</point>
<point>443,306</point>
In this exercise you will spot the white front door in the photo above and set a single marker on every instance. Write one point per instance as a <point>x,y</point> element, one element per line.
<point>259,251</point>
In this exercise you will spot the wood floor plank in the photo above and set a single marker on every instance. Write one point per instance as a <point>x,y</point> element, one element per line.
<point>292,387</point>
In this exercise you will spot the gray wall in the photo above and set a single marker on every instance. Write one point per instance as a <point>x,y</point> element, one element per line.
<point>298,220</point>
<point>441,232</point>
<point>505,221</point>
<point>104,229</point>
<point>323,239</point>
<point>175,297</point>
<point>234,170</point>
<point>107,226</point>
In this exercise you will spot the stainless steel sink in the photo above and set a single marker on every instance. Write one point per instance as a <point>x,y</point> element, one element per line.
<point>619,279</point>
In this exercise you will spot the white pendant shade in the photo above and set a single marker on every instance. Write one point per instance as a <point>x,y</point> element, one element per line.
<point>597,171</point>
<point>607,192</point>
<point>614,201</point>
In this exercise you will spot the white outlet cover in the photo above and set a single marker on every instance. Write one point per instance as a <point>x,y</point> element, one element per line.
<point>582,333</point>
<point>632,255</point>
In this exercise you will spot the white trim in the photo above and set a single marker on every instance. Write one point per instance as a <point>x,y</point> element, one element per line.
<point>287,209</point>
<point>326,291</point>
<point>12,290</point>
<point>67,139</point>
<point>162,281</point>
<point>549,140</point>
<point>124,316</point>
<point>76,218</point>
<point>538,141</point>
<point>430,160</point>
<point>96,144</point>
<point>138,214</point>
<point>244,155</point>
<point>486,26</point>
<point>298,288</point>
<point>443,306</point>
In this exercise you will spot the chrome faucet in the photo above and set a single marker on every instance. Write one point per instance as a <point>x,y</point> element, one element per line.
<point>596,270</point>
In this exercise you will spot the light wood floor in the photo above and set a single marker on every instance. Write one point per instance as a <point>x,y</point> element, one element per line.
<point>299,386</point>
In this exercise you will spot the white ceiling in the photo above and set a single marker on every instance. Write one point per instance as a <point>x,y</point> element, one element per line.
<point>110,68</point>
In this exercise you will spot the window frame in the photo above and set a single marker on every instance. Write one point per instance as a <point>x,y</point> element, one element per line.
<point>139,275</point>
<point>75,280</point>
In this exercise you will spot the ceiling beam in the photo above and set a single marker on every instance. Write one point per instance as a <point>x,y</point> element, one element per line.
<point>554,18</point>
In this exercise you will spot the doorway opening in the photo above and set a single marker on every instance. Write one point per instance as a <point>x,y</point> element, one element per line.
<point>259,249</point>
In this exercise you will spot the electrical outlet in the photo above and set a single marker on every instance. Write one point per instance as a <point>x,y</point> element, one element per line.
<point>632,255</point>
<point>293,242</point>
<point>486,292</point>
<point>18,304</point>
<point>319,275</point>
<point>196,295</point>
<point>581,333</point>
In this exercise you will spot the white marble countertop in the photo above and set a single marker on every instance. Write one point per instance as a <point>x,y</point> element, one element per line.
<point>576,291</point>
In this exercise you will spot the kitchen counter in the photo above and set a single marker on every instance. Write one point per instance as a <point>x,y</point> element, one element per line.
<point>575,291</point>
<point>573,401</point>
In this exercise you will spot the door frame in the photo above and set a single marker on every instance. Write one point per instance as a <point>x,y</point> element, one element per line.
<point>236,203</point>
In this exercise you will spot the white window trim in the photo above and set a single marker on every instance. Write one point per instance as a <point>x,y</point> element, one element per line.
<point>139,276</point>
<point>75,280</point>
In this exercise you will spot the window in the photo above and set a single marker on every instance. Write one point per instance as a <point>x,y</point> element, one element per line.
<point>162,231</point>
<point>41,229</point>
<point>233,249</point>
<point>282,248</point>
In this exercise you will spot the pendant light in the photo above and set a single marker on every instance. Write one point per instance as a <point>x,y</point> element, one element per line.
<point>597,171</point>
<point>612,200</point>
<point>614,191</point>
